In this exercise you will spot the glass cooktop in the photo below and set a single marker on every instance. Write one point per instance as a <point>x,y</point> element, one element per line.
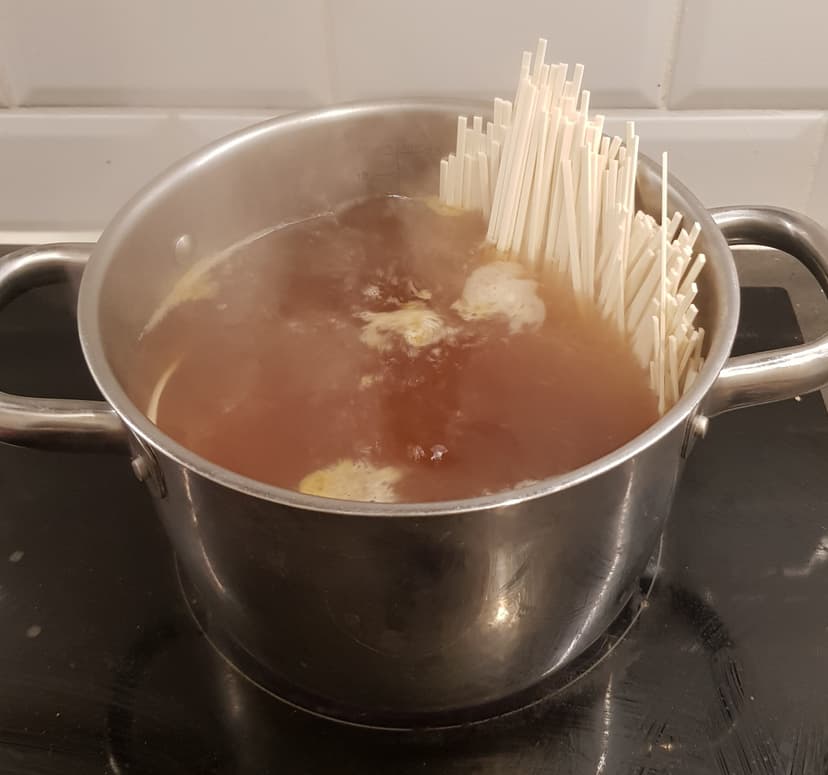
<point>725,670</point>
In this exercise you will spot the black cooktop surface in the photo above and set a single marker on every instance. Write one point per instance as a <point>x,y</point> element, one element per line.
<point>725,670</point>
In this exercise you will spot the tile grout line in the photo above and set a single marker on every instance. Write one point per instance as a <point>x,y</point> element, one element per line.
<point>6,90</point>
<point>816,162</point>
<point>330,49</point>
<point>672,55</point>
<point>117,111</point>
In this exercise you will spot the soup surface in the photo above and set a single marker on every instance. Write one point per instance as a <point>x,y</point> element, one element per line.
<point>382,353</point>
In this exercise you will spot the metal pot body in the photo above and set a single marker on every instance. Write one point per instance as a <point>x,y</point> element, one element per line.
<point>369,617</point>
<point>368,611</point>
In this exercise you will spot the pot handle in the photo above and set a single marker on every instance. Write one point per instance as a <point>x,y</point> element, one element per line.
<point>775,375</point>
<point>53,423</point>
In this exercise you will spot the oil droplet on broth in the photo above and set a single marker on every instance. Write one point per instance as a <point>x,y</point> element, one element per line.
<point>383,353</point>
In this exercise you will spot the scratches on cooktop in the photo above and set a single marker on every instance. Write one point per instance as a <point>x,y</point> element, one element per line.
<point>810,752</point>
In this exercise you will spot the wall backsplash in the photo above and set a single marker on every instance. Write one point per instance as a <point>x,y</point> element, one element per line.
<point>98,95</point>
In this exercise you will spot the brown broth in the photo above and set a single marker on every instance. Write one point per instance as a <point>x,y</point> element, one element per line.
<point>274,382</point>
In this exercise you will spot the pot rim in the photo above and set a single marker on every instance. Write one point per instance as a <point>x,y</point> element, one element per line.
<point>718,254</point>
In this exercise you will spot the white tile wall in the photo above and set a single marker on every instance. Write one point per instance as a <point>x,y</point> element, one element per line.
<point>69,169</point>
<point>468,48</point>
<point>751,54</point>
<point>159,52</point>
<point>101,94</point>
<point>737,158</point>
<point>72,170</point>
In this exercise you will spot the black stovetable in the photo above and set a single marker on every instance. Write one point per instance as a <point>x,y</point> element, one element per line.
<point>725,670</point>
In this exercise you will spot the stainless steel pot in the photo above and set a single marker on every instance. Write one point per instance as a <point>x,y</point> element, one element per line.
<point>373,611</point>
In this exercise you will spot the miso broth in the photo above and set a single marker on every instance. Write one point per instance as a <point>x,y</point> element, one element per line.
<point>340,356</point>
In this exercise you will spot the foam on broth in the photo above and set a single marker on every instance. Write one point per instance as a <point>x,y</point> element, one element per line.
<point>340,356</point>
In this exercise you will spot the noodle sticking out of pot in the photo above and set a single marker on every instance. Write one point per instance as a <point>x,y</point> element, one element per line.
<point>385,352</point>
<point>560,197</point>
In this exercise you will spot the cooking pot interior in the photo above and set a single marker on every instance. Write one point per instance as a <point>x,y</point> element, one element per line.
<point>293,168</point>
